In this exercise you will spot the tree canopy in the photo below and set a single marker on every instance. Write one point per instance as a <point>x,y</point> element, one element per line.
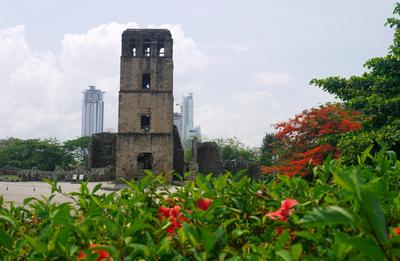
<point>266,150</point>
<point>304,141</point>
<point>232,148</point>
<point>43,154</point>
<point>376,93</point>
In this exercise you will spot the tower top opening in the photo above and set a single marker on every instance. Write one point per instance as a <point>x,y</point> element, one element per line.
<point>139,43</point>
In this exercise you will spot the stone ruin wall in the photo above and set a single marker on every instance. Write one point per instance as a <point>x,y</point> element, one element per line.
<point>95,174</point>
<point>207,159</point>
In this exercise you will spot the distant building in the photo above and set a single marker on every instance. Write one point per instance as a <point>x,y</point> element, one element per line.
<point>109,130</point>
<point>184,120</point>
<point>194,132</point>
<point>178,122</point>
<point>92,111</point>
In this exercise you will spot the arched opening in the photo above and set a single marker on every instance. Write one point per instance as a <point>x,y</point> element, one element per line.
<point>145,160</point>
<point>132,47</point>
<point>161,49</point>
<point>146,47</point>
<point>145,122</point>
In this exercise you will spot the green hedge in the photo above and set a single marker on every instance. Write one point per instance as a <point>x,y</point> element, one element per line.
<point>345,212</point>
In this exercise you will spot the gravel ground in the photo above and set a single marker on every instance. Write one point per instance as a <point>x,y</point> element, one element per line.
<point>18,191</point>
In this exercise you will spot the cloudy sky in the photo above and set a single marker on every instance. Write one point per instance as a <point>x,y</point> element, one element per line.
<point>248,63</point>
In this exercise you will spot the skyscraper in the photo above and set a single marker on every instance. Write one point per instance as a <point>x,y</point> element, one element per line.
<point>184,120</point>
<point>92,111</point>
<point>187,110</point>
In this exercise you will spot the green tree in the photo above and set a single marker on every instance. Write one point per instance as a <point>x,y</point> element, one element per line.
<point>77,150</point>
<point>266,150</point>
<point>232,148</point>
<point>25,154</point>
<point>376,93</point>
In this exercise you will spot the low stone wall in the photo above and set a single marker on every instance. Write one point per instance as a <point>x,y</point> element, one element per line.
<point>94,174</point>
<point>236,165</point>
<point>207,159</point>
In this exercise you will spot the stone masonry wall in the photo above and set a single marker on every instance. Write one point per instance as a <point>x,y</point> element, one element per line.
<point>95,174</point>
<point>141,60</point>
<point>102,150</point>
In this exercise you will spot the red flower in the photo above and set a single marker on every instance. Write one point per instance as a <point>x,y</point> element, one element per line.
<point>396,230</point>
<point>203,203</point>
<point>279,230</point>
<point>174,215</point>
<point>103,254</point>
<point>284,211</point>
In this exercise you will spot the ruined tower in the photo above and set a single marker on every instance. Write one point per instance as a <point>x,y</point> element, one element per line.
<point>145,117</point>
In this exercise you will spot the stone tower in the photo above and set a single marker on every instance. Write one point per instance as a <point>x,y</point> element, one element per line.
<point>145,117</point>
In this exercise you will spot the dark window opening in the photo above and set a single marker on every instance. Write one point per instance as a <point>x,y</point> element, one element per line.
<point>146,81</point>
<point>145,160</point>
<point>132,47</point>
<point>146,47</point>
<point>145,122</point>
<point>161,49</point>
<point>109,151</point>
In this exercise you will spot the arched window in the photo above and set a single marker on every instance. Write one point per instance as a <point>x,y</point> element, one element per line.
<point>161,48</point>
<point>132,47</point>
<point>146,47</point>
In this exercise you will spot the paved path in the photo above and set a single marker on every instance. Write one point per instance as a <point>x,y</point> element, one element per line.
<point>18,191</point>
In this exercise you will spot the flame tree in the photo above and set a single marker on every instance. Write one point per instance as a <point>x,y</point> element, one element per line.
<point>305,140</point>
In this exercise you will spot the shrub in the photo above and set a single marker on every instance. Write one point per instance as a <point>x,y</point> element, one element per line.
<point>346,212</point>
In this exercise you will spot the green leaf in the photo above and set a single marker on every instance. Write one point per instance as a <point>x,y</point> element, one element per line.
<point>367,248</point>
<point>349,180</point>
<point>9,220</point>
<point>326,216</point>
<point>191,234</point>
<point>374,215</point>
<point>95,199</point>
<point>341,247</point>
<point>296,251</point>
<point>209,239</point>
<point>96,188</point>
<point>284,254</point>
<point>5,240</point>
<point>28,200</point>
<point>282,240</point>
<point>365,154</point>
<point>238,232</point>
<point>221,236</point>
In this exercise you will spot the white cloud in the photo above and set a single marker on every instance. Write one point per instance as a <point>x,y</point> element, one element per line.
<point>247,114</point>
<point>272,79</point>
<point>187,55</point>
<point>13,50</point>
<point>236,47</point>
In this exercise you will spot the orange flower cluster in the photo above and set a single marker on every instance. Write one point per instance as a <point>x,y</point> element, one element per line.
<point>204,203</point>
<point>284,211</point>
<point>175,215</point>
<point>306,140</point>
<point>103,254</point>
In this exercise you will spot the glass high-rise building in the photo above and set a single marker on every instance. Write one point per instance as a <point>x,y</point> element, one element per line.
<point>184,120</point>
<point>187,111</point>
<point>92,111</point>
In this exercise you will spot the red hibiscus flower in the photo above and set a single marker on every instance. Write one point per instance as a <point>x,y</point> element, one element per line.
<point>284,211</point>
<point>396,230</point>
<point>174,215</point>
<point>203,203</point>
<point>103,254</point>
